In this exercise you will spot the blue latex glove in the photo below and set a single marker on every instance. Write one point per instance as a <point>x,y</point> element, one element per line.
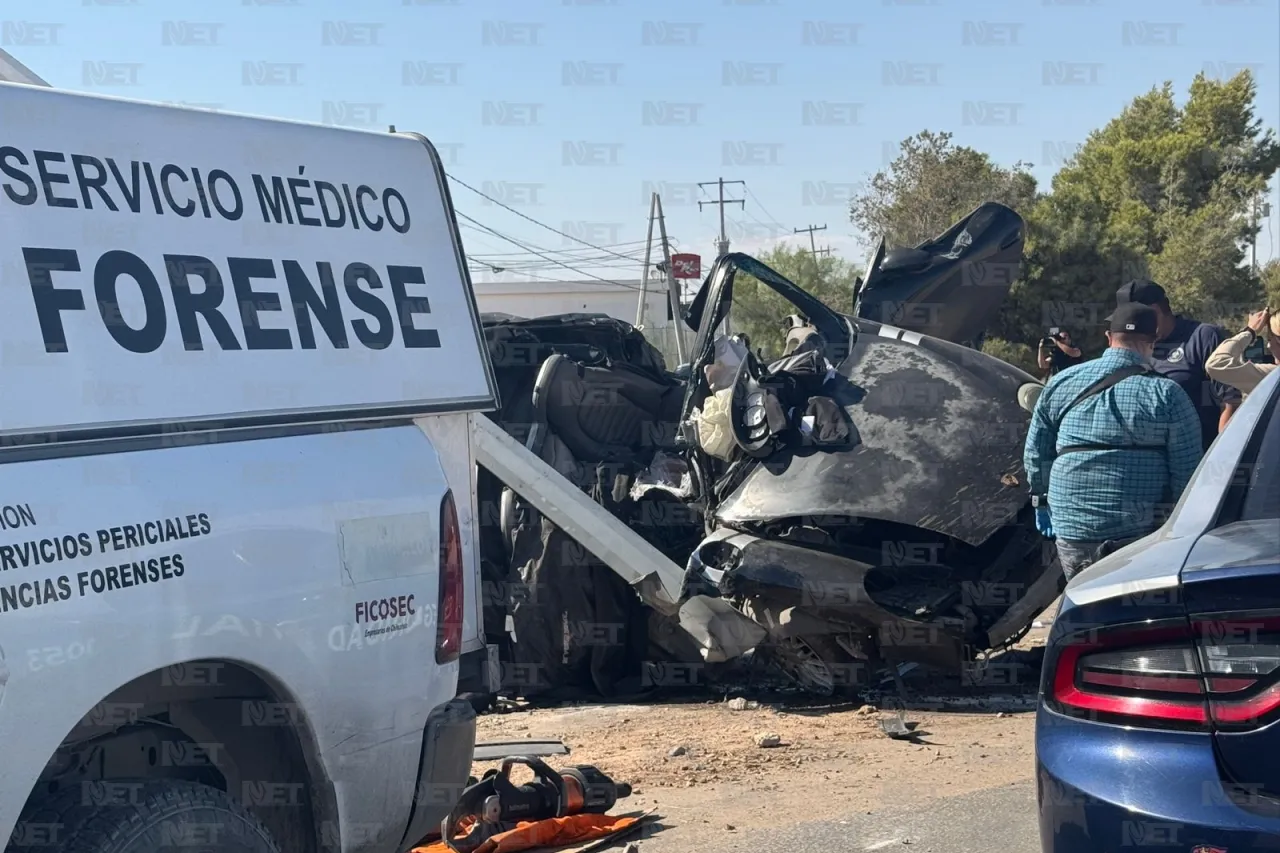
<point>1043,523</point>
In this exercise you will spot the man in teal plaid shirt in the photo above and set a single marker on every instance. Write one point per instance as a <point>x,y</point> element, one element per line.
<point>1102,466</point>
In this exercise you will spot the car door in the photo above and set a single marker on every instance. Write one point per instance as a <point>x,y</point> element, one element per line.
<point>950,287</point>
<point>1231,588</point>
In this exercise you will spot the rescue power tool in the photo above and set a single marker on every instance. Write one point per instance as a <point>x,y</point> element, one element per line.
<point>496,805</point>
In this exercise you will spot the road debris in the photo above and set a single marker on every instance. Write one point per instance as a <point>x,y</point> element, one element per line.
<point>768,741</point>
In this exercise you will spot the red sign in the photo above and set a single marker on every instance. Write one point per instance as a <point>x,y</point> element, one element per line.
<point>686,266</point>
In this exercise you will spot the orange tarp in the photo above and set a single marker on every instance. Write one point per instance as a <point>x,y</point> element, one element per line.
<point>542,834</point>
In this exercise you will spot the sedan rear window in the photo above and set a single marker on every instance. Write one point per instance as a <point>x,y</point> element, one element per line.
<point>1261,498</point>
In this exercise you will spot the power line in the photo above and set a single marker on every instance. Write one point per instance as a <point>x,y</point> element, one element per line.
<point>567,251</point>
<point>531,261</point>
<point>752,196</point>
<point>526,260</point>
<point>483,268</point>
<point>529,245</point>
<point>531,219</point>
<point>516,242</point>
<point>757,220</point>
<point>543,253</point>
<point>539,264</point>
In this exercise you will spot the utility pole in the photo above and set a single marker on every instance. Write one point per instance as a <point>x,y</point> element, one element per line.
<point>644,273</point>
<point>673,285</point>
<point>1253,234</point>
<point>1256,207</point>
<point>812,246</point>
<point>722,244</point>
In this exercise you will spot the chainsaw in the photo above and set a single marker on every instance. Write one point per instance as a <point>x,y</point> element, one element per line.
<point>496,805</point>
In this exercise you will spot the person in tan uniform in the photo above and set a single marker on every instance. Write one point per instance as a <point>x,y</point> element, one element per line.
<point>1228,365</point>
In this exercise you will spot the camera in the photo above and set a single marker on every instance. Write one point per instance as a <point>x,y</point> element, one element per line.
<point>1047,342</point>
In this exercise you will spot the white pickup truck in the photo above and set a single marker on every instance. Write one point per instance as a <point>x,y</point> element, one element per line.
<point>241,363</point>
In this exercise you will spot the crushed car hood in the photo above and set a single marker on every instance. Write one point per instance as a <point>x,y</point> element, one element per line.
<point>938,443</point>
<point>950,287</point>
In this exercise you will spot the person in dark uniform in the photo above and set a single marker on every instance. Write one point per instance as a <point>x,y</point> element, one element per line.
<point>1183,346</point>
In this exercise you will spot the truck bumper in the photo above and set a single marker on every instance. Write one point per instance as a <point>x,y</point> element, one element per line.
<point>448,745</point>
<point>480,672</point>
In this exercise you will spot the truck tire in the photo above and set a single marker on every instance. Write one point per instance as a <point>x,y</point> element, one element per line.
<point>154,817</point>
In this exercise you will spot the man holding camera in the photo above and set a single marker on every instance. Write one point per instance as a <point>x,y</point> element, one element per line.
<point>1229,365</point>
<point>1057,353</point>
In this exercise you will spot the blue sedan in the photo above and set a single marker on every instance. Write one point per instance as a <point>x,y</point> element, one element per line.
<point>1158,726</point>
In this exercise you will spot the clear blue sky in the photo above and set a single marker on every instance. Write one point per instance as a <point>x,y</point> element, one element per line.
<point>730,78</point>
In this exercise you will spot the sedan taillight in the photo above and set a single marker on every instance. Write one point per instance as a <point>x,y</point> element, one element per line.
<point>1224,673</point>
<point>452,589</point>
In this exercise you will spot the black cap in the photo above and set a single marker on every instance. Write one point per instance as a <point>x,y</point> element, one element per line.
<point>1134,318</point>
<point>1142,291</point>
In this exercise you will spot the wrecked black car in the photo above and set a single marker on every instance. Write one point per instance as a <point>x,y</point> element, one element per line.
<point>857,493</point>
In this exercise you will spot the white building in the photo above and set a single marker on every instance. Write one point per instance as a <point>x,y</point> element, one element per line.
<point>13,71</point>
<point>540,298</point>
<point>508,294</point>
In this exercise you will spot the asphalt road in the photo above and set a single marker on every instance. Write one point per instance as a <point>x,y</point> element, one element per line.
<point>1001,819</point>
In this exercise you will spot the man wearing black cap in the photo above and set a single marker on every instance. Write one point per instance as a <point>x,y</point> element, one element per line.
<point>1183,346</point>
<point>1112,444</point>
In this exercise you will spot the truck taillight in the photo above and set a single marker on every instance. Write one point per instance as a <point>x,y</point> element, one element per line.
<point>1222,673</point>
<point>452,589</point>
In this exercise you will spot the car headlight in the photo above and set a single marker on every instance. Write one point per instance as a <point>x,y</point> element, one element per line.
<point>1028,394</point>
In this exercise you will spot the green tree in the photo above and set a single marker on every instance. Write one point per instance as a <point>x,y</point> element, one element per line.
<point>1019,355</point>
<point>1162,191</point>
<point>932,184</point>
<point>760,312</point>
<point>1271,284</point>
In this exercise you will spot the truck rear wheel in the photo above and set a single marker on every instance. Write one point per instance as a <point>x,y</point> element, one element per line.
<point>140,817</point>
